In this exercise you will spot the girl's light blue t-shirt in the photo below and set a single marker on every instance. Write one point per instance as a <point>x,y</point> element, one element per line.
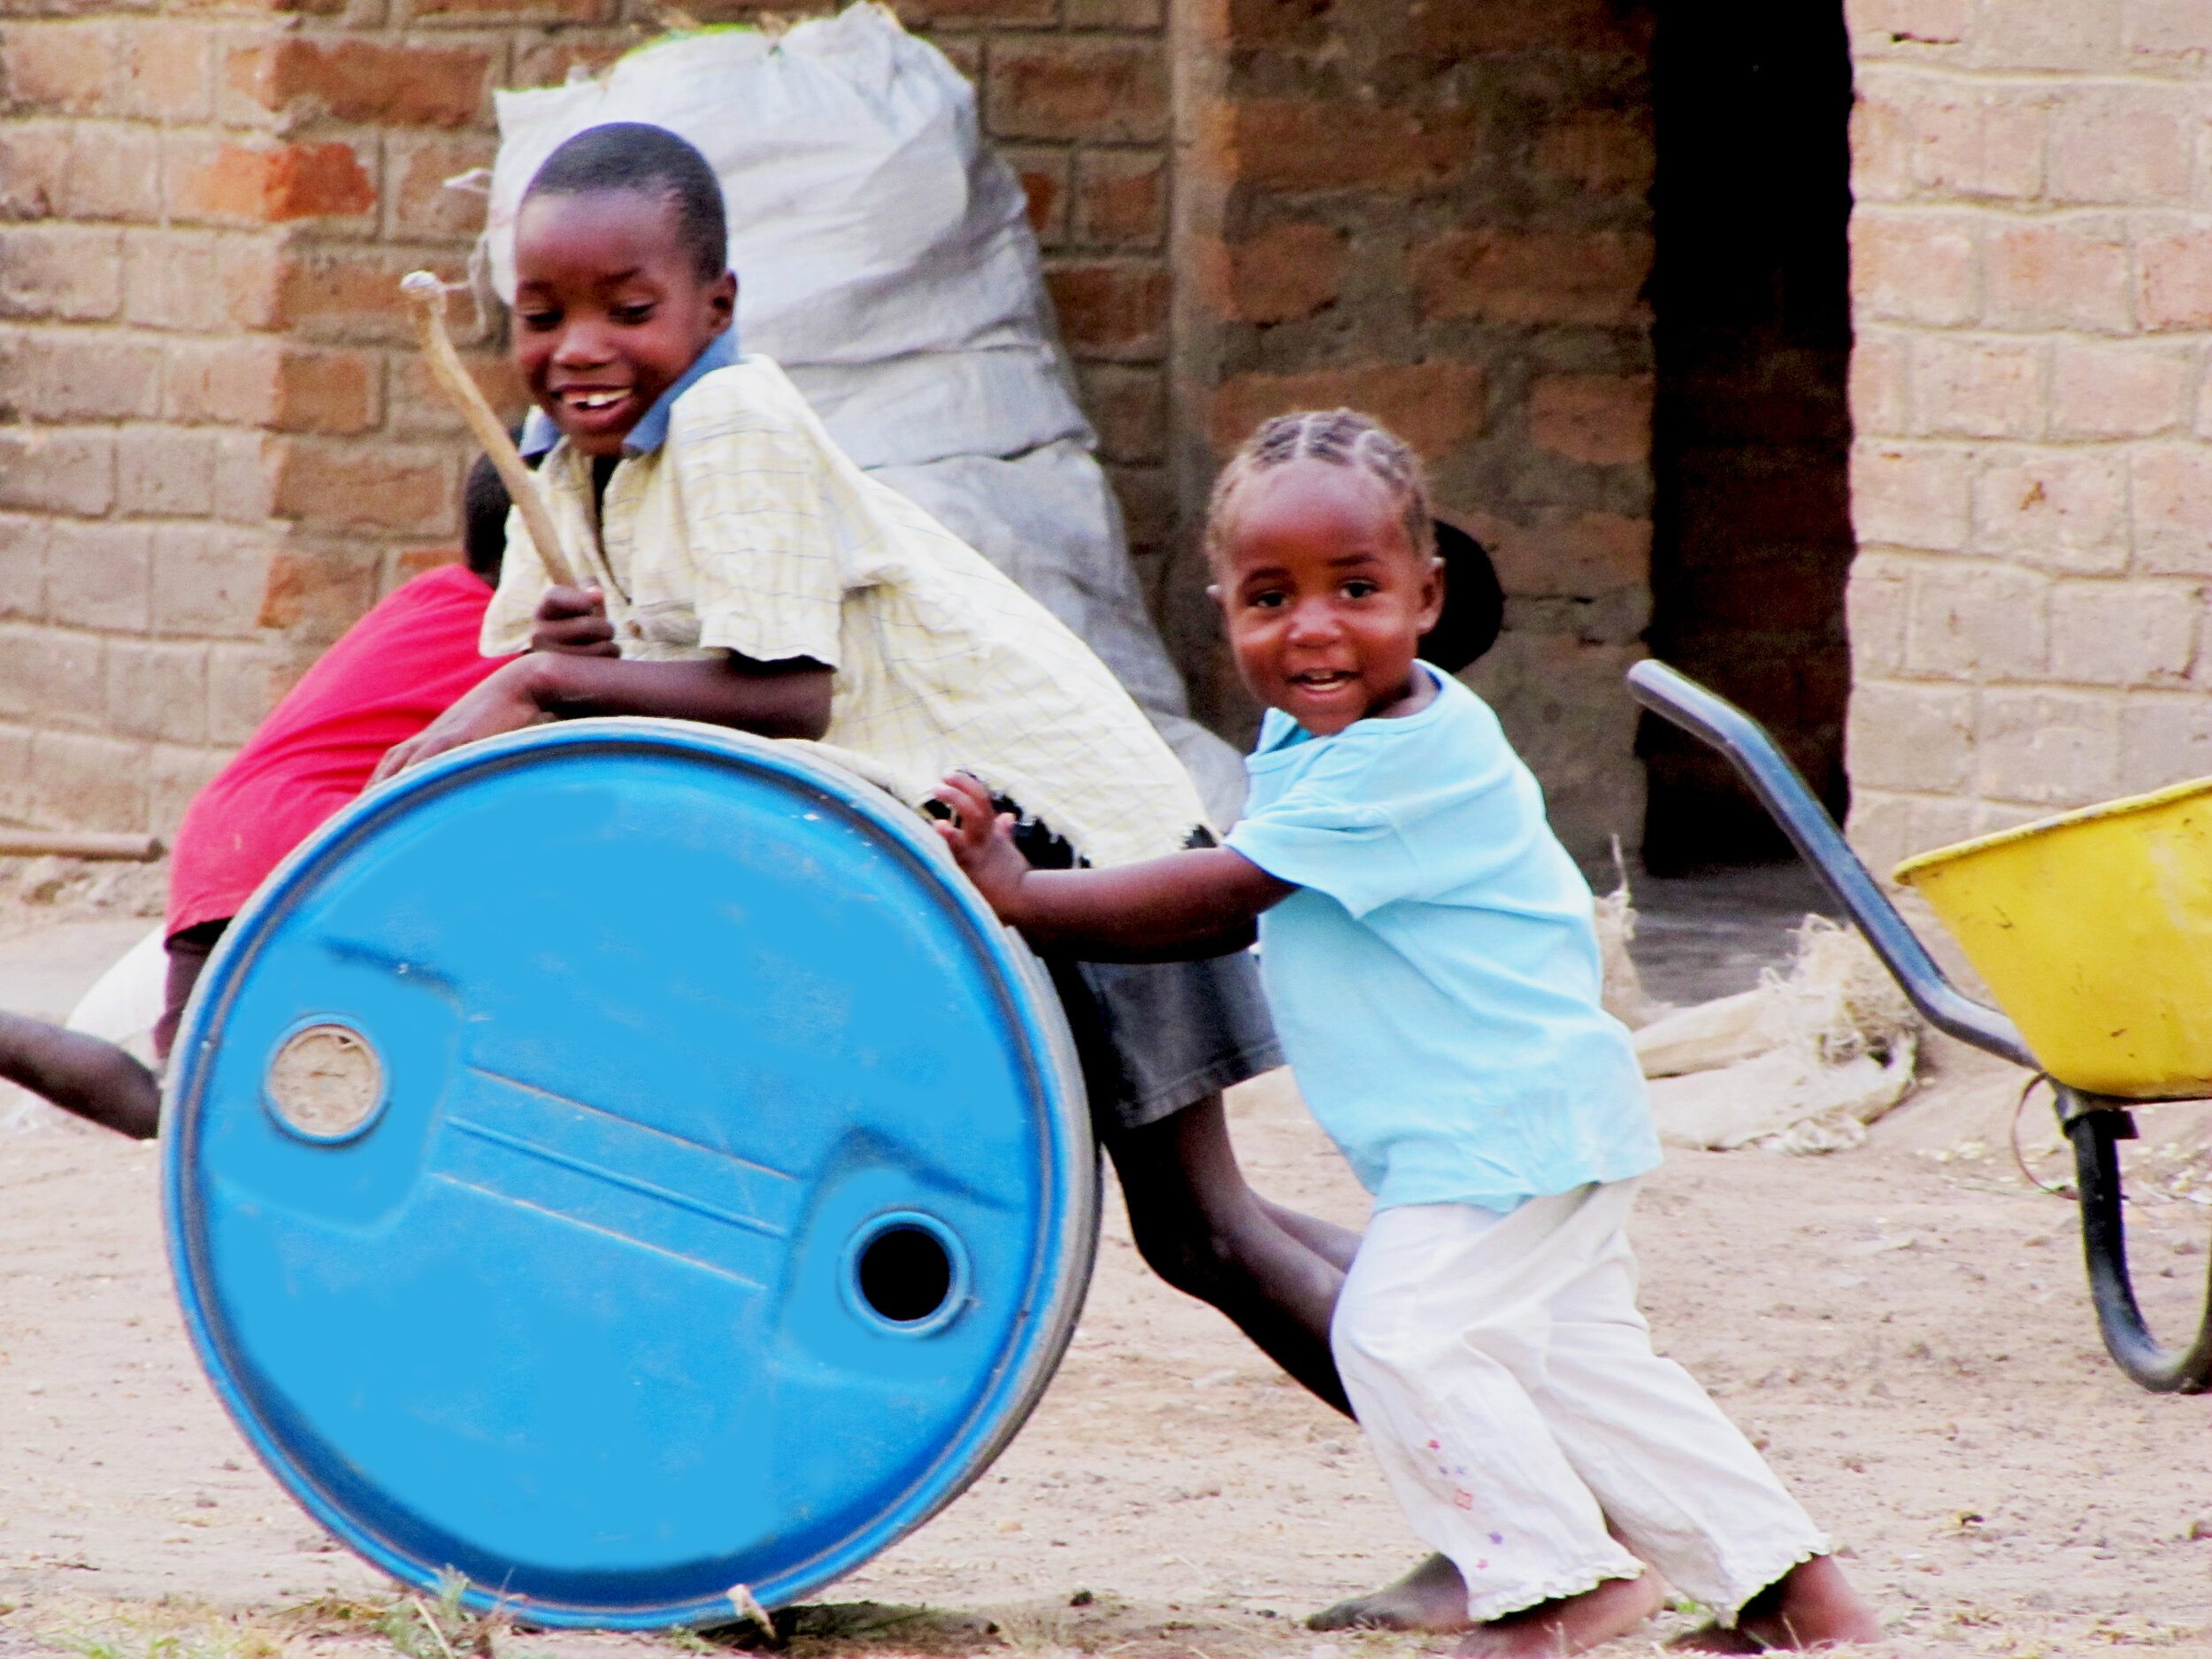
<point>1435,978</point>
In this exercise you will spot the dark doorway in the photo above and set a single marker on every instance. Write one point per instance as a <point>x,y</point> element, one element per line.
<point>1751,430</point>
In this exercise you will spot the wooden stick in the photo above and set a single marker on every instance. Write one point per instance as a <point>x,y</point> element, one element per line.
<point>29,843</point>
<point>426,294</point>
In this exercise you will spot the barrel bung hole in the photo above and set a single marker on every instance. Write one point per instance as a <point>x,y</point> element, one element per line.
<point>905,1274</point>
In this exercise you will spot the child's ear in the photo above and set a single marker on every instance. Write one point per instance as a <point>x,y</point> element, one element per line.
<point>722,298</point>
<point>1433,595</point>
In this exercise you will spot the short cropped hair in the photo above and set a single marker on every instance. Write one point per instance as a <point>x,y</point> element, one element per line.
<point>484,505</point>
<point>1341,437</point>
<point>652,161</point>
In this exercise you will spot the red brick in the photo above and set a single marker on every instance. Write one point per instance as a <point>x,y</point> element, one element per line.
<point>175,776</point>
<point>62,68</point>
<point>2068,273</point>
<point>1110,90</point>
<point>199,282</point>
<point>275,184</point>
<point>2174,281</point>
<point>1977,388</point>
<point>1607,152</point>
<point>64,375</point>
<point>1112,310</point>
<point>242,685</point>
<point>2117,147</point>
<point>1148,506</point>
<point>1603,419</point>
<point>209,580</point>
<point>114,172</point>
<point>351,295</point>
<point>2172,486</point>
<point>1120,198</point>
<point>2065,509</point>
<point>1878,407</point>
<point>2048,36</point>
<point>1916,268</point>
<point>1044,181</point>
<point>356,486</point>
<point>2115,391</point>
<point>170,76</point>
<point>1566,554</point>
<point>68,271</point>
<point>87,782</point>
<point>1128,406</point>
<point>53,677</point>
<point>1434,406</point>
<point>1913,497</point>
<point>420,408</point>
<point>1507,276</point>
<point>1968,143</point>
<point>57,471</point>
<point>263,382</point>
<point>358,81</point>
<point>167,472</point>
<point>1129,16</point>
<point>521,11</point>
<point>1280,143</point>
<point>34,164</point>
<point>1245,25</point>
<point>418,207</point>
<point>318,594</point>
<point>1285,273</point>
<point>969,14</point>
<point>23,568</point>
<point>100,575</point>
<point>548,63</point>
<point>409,563</point>
<point>2169,33</point>
<point>1446,29</point>
<point>156,690</point>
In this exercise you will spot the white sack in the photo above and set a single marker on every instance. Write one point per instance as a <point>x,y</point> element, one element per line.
<point>1802,1063</point>
<point>884,259</point>
<point>124,1001</point>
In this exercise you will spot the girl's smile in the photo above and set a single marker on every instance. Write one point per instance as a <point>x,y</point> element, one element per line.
<point>1326,598</point>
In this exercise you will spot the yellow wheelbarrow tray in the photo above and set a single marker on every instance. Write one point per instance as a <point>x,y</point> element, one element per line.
<point>2093,930</point>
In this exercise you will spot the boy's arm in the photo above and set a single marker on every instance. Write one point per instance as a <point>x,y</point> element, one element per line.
<point>786,699</point>
<point>1178,909</point>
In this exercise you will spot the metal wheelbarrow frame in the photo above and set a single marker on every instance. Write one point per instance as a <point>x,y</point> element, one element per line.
<point>2094,1124</point>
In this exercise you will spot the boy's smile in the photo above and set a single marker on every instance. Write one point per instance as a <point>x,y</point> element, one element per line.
<point>1326,598</point>
<point>610,310</point>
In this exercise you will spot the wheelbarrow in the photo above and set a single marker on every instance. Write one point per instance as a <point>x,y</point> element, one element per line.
<point>2094,929</point>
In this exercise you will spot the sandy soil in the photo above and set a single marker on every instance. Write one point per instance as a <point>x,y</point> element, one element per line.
<point>1904,1328</point>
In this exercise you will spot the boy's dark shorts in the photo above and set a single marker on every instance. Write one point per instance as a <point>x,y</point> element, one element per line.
<point>1154,1037</point>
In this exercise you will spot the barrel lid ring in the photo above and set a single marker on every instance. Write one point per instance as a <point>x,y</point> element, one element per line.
<point>324,1081</point>
<point>905,1272</point>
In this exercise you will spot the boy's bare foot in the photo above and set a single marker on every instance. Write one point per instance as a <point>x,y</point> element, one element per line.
<point>1431,1597</point>
<point>1573,1623</point>
<point>1812,1605</point>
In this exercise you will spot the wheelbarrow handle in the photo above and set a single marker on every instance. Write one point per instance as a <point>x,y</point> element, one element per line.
<point>1782,790</point>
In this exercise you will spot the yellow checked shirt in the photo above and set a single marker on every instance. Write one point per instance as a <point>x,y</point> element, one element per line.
<point>747,530</point>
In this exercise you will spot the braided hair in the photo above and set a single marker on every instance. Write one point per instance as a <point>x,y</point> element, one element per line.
<point>1341,437</point>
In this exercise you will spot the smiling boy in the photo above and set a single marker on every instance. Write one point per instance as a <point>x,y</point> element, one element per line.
<point>744,571</point>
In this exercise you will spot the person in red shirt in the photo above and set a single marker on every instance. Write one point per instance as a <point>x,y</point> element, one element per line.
<point>393,672</point>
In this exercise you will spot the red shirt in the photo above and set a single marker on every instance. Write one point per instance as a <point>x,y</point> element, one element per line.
<point>393,672</point>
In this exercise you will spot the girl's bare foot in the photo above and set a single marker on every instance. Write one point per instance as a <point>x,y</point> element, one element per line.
<point>1571,1625</point>
<point>1812,1605</point>
<point>1431,1597</point>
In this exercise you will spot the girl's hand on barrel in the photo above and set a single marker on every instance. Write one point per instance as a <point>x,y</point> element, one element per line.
<point>982,843</point>
<point>505,701</point>
<point>574,622</point>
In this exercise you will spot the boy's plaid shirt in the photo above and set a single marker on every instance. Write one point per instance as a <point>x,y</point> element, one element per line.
<point>748,530</point>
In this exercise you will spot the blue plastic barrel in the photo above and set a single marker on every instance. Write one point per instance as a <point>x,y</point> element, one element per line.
<point>623,1164</point>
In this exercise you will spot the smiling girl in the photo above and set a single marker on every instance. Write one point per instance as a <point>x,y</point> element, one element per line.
<point>1433,965</point>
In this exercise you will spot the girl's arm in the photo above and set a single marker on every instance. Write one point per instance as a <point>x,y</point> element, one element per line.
<point>786,699</point>
<point>1176,909</point>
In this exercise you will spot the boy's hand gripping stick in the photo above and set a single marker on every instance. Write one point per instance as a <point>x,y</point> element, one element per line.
<point>425,294</point>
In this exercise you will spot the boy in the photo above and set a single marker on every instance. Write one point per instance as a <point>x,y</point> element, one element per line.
<point>1430,954</point>
<point>750,575</point>
<point>385,680</point>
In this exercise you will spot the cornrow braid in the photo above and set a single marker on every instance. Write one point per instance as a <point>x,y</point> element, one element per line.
<point>1340,437</point>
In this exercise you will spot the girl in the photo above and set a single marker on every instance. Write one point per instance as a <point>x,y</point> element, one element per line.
<point>1432,967</point>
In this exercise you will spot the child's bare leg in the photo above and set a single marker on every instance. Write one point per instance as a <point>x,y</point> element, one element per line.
<point>1333,1244</point>
<point>1573,1623</point>
<point>1812,1605</point>
<point>1204,1231</point>
<point>94,1080</point>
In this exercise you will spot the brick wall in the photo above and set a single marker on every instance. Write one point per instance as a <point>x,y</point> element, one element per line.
<point>1439,214</point>
<point>216,444</point>
<point>2032,283</point>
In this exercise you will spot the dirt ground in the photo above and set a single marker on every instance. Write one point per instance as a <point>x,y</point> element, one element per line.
<point>1903,1326</point>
